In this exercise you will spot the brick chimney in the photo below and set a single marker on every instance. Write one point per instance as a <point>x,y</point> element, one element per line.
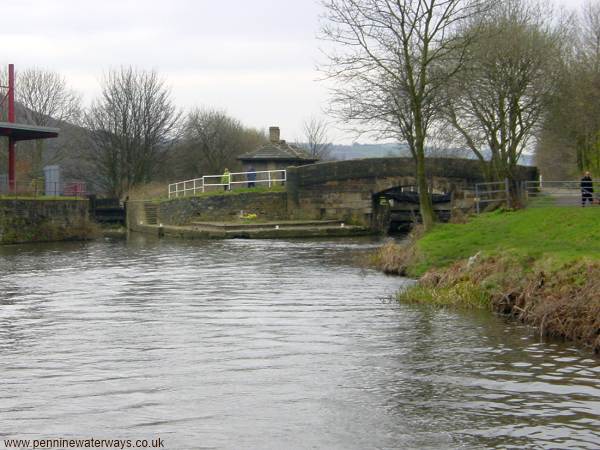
<point>274,135</point>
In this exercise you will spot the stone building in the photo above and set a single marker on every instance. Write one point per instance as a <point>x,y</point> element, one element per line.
<point>275,155</point>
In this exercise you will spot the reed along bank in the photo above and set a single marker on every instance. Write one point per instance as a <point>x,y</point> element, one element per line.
<point>540,266</point>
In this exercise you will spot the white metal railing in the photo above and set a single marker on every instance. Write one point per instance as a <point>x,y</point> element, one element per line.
<point>536,193</point>
<point>492,192</point>
<point>557,193</point>
<point>234,179</point>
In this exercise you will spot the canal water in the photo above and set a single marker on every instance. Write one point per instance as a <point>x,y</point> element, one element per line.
<point>268,345</point>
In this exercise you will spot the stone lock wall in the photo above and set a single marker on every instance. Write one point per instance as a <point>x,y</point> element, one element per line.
<point>134,214</point>
<point>214,208</point>
<point>34,220</point>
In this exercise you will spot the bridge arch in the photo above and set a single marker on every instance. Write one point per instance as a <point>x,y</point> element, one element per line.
<point>346,189</point>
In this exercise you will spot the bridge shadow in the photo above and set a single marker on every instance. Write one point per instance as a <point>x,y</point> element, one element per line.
<point>396,210</point>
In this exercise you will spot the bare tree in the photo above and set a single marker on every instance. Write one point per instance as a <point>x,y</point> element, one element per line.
<point>132,126</point>
<point>578,107</point>
<point>582,92</point>
<point>396,58</point>
<point>498,102</point>
<point>212,141</point>
<point>443,142</point>
<point>316,140</point>
<point>570,137</point>
<point>44,99</point>
<point>589,35</point>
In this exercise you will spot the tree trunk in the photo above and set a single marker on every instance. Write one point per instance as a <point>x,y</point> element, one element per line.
<point>37,159</point>
<point>425,203</point>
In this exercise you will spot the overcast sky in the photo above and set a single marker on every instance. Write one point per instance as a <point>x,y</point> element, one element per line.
<point>254,58</point>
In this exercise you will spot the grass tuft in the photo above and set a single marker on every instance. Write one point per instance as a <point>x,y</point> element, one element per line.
<point>238,191</point>
<point>540,266</point>
<point>565,234</point>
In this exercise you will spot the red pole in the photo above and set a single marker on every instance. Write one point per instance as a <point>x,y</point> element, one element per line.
<point>12,184</point>
<point>11,93</point>
<point>11,118</point>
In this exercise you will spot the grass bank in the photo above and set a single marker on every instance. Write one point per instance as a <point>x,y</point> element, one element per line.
<point>22,231</point>
<point>235,191</point>
<point>158,192</point>
<point>540,266</point>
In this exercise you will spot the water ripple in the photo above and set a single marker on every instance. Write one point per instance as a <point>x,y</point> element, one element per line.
<point>260,344</point>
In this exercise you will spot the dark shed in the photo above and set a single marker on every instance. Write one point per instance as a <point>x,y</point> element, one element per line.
<point>275,155</point>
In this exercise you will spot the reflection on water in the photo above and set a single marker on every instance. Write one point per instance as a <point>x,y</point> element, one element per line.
<point>265,344</point>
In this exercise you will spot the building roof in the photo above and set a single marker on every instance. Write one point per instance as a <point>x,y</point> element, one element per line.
<point>281,151</point>
<point>22,132</point>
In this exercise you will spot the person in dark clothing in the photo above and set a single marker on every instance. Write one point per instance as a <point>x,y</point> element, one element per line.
<point>251,177</point>
<point>587,189</point>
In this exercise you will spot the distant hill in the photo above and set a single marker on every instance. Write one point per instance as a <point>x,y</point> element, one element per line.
<point>357,151</point>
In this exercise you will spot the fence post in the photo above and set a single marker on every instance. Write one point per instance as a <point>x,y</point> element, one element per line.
<point>507,187</point>
<point>477,198</point>
<point>269,178</point>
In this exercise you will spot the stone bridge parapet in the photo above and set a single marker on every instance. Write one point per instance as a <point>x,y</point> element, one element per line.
<point>345,189</point>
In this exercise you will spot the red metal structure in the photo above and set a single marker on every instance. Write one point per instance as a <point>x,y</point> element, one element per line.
<point>18,132</point>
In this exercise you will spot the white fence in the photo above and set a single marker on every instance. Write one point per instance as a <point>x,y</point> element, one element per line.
<point>493,192</point>
<point>227,182</point>
<point>557,193</point>
<point>536,193</point>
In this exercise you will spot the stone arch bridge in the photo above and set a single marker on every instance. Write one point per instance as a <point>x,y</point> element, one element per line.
<point>350,189</point>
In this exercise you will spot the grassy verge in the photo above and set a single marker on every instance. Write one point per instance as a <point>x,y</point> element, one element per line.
<point>237,191</point>
<point>19,230</point>
<point>157,192</point>
<point>540,266</point>
<point>562,234</point>
<point>39,198</point>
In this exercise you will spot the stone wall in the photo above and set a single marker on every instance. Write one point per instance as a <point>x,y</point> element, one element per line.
<point>43,220</point>
<point>341,190</point>
<point>135,214</point>
<point>345,189</point>
<point>214,208</point>
<point>468,170</point>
